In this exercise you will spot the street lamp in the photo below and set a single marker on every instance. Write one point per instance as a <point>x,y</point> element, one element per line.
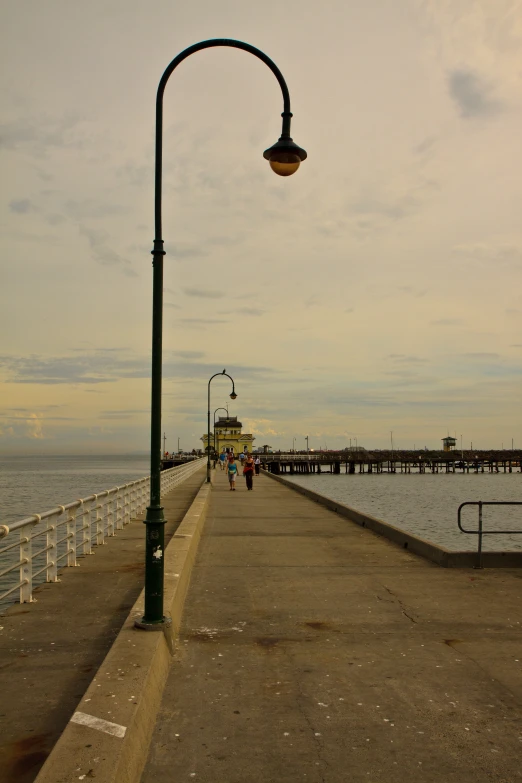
<point>284,157</point>
<point>306,439</point>
<point>217,409</point>
<point>233,396</point>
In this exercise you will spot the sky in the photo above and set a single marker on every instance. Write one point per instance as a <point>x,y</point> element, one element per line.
<point>377,290</point>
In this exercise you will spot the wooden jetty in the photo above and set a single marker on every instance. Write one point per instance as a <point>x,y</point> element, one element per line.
<point>360,461</point>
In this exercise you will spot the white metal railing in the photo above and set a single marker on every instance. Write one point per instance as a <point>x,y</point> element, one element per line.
<point>57,537</point>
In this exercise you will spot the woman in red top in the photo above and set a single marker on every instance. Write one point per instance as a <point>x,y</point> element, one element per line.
<point>248,471</point>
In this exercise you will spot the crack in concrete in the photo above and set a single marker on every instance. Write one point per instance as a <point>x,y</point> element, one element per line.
<point>403,610</point>
<point>317,740</point>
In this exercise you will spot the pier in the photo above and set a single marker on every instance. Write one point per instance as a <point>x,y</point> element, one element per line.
<point>361,461</point>
<point>309,648</point>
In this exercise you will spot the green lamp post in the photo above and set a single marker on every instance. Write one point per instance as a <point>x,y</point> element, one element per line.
<point>233,396</point>
<point>284,157</point>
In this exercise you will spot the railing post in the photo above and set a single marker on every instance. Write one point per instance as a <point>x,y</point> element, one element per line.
<point>479,552</point>
<point>99,521</point>
<point>119,514</point>
<point>86,525</point>
<point>71,538</point>
<point>110,515</point>
<point>104,513</point>
<point>51,574</point>
<point>132,500</point>
<point>26,568</point>
<point>126,505</point>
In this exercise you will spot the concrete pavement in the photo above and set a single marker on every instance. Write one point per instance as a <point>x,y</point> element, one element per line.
<point>314,650</point>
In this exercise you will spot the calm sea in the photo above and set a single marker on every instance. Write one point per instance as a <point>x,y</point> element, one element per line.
<point>31,485</point>
<point>426,504</point>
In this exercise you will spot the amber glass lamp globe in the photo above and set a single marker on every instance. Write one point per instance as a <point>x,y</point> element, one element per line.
<point>284,163</point>
<point>285,157</point>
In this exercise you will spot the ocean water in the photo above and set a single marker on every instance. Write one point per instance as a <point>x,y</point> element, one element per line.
<point>31,485</point>
<point>426,504</point>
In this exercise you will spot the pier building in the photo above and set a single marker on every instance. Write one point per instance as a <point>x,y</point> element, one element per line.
<point>229,436</point>
<point>449,443</point>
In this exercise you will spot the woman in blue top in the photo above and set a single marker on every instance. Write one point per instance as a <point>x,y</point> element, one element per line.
<point>232,473</point>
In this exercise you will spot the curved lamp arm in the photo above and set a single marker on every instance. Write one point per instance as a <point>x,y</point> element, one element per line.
<point>233,396</point>
<point>284,145</point>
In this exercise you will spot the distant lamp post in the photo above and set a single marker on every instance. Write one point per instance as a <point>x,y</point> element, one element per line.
<point>284,158</point>
<point>233,396</point>
<point>218,409</point>
<point>306,439</point>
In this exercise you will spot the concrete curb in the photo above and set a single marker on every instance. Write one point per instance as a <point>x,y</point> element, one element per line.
<point>447,558</point>
<point>108,736</point>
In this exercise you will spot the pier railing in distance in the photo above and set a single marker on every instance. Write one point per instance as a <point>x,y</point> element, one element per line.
<point>69,531</point>
<point>480,532</point>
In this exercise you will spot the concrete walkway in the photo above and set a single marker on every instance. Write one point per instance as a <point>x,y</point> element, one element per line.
<point>50,650</point>
<point>315,650</point>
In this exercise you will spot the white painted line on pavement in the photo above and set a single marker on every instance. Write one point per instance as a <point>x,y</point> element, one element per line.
<point>98,723</point>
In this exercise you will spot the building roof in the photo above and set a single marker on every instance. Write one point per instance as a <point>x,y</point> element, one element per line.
<point>223,422</point>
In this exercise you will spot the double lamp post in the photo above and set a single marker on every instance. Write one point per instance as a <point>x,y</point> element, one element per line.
<point>233,396</point>
<point>284,157</point>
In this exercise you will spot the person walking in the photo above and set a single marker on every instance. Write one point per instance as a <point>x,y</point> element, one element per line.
<point>248,471</point>
<point>222,458</point>
<point>232,473</point>
<point>257,465</point>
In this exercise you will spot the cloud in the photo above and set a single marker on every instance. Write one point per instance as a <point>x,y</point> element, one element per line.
<point>39,135</point>
<point>199,321</point>
<point>100,367</point>
<point>123,414</point>
<point>94,368</point>
<point>185,251</point>
<point>103,253</point>
<point>416,292</point>
<point>504,255</point>
<point>312,301</point>
<point>90,208</point>
<point>253,311</point>
<point>22,207</point>
<point>479,355</point>
<point>404,358</point>
<point>447,322</point>
<point>471,94</point>
<point>34,427</point>
<point>188,354</point>
<point>204,293</point>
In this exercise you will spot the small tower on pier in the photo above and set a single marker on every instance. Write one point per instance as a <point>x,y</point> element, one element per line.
<point>449,443</point>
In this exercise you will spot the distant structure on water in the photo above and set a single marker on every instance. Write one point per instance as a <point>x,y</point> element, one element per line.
<point>228,436</point>
<point>449,443</point>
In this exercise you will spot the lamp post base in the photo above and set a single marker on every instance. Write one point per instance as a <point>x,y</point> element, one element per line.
<point>164,624</point>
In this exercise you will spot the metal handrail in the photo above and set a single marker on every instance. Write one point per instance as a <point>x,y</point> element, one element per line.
<point>87,522</point>
<point>481,532</point>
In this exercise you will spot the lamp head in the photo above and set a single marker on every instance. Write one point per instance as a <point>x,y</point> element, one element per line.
<point>233,396</point>
<point>285,156</point>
